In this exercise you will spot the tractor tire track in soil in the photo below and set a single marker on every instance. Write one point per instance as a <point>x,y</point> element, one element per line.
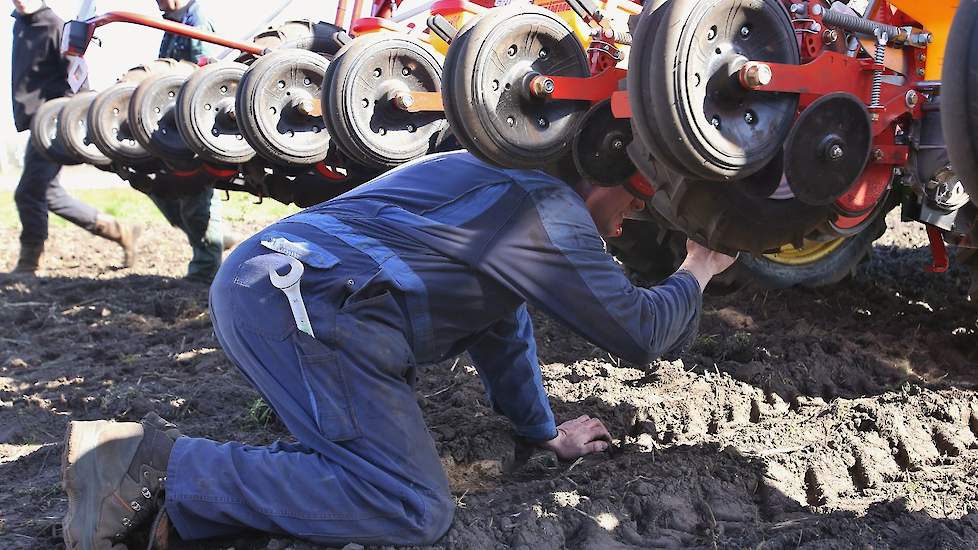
<point>843,417</point>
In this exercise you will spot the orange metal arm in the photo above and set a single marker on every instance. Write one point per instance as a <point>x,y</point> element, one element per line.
<point>75,44</point>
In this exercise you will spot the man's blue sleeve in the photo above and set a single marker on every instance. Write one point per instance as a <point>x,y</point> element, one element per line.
<point>551,255</point>
<point>506,358</point>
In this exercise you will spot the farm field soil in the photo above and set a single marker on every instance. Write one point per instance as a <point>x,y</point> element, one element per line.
<point>843,417</point>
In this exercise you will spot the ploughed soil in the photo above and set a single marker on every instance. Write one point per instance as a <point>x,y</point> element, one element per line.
<point>843,417</point>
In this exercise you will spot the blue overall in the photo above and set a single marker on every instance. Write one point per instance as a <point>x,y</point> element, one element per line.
<point>429,260</point>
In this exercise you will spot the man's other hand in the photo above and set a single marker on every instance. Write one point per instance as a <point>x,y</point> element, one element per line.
<point>704,263</point>
<point>575,438</point>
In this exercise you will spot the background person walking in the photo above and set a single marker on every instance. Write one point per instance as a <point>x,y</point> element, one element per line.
<point>38,74</point>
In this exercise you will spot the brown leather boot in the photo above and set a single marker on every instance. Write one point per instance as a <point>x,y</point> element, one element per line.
<point>126,235</point>
<point>115,475</point>
<point>29,260</point>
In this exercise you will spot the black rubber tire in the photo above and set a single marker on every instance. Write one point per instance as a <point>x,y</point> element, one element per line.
<point>650,253</point>
<point>959,95</point>
<point>378,134</point>
<point>111,105</point>
<point>474,113</point>
<point>763,272</point>
<point>257,94</point>
<point>152,115</point>
<point>303,34</point>
<point>44,133</point>
<point>447,76</point>
<point>73,130</point>
<point>198,115</point>
<point>664,111</point>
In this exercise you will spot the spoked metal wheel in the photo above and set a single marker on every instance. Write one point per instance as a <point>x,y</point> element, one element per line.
<point>684,90</point>
<point>44,132</point>
<point>152,115</point>
<point>73,130</point>
<point>487,86</point>
<point>368,98</point>
<point>108,124</point>
<point>277,107</point>
<point>206,117</point>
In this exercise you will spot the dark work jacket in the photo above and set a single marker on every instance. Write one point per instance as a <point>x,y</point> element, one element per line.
<point>468,245</point>
<point>38,71</point>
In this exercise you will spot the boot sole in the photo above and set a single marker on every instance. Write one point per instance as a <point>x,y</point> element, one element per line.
<point>85,481</point>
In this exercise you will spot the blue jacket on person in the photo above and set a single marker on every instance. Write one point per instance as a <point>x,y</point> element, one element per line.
<point>470,244</point>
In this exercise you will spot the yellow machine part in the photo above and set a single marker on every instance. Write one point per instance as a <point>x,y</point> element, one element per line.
<point>809,253</point>
<point>935,16</point>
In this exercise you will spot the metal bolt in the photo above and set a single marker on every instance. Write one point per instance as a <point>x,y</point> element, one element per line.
<point>405,72</point>
<point>712,33</point>
<point>912,98</point>
<point>511,51</point>
<point>403,100</point>
<point>224,89</point>
<point>377,73</point>
<point>921,57</point>
<point>715,121</point>
<point>281,84</point>
<point>830,36</point>
<point>171,93</point>
<point>817,9</point>
<point>836,152</point>
<point>745,31</point>
<point>542,122</point>
<point>542,86</point>
<point>749,117</point>
<point>495,85</point>
<point>816,27</point>
<point>757,75</point>
<point>877,154</point>
<point>305,106</point>
<point>920,72</point>
<point>797,8</point>
<point>511,121</point>
<point>618,145</point>
<point>411,128</point>
<point>544,53</point>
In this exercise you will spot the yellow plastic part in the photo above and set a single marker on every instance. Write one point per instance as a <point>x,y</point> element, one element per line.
<point>809,253</point>
<point>458,19</point>
<point>935,16</point>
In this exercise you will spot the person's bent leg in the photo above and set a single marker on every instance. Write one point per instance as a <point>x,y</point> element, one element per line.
<point>31,200</point>
<point>366,469</point>
<point>201,220</point>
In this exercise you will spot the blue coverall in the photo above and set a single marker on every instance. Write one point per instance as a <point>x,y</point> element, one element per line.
<point>431,259</point>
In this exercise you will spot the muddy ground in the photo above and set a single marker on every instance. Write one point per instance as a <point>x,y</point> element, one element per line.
<point>842,417</point>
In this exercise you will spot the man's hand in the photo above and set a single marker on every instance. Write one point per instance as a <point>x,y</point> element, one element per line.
<point>704,263</point>
<point>575,438</point>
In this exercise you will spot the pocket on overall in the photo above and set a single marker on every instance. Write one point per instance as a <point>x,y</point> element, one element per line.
<point>327,387</point>
<point>261,307</point>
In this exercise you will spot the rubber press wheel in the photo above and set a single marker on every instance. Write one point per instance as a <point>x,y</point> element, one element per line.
<point>73,132</point>
<point>152,115</point>
<point>959,95</point>
<point>206,117</point>
<point>44,132</point>
<point>486,86</point>
<point>684,90</point>
<point>271,107</point>
<point>360,113</point>
<point>302,34</point>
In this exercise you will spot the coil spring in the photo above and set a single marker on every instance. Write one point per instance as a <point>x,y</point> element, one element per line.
<point>874,98</point>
